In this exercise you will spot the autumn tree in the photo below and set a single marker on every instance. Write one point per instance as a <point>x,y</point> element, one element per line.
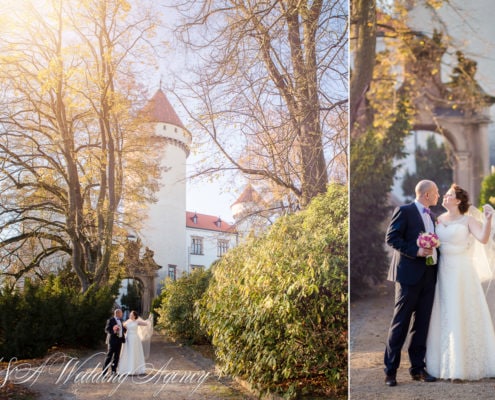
<point>370,21</point>
<point>268,88</point>
<point>71,147</point>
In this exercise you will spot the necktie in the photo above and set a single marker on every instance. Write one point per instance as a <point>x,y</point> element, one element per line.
<point>427,220</point>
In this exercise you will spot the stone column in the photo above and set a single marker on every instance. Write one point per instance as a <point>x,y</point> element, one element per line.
<point>463,172</point>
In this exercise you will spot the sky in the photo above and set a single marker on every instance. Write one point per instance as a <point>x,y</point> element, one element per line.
<point>210,198</point>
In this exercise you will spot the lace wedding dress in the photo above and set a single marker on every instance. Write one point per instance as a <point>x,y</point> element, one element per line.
<point>461,337</point>
<point>132,356</point>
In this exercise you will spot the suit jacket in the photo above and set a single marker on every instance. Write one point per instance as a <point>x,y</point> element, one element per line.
<point>406,225</point>
<point>112,337</point>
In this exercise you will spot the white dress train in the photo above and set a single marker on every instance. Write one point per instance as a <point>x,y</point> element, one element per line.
<point>461,337</point>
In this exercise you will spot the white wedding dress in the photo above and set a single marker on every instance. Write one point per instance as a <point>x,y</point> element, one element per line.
<point>132,356</point>
<point>461,337</point>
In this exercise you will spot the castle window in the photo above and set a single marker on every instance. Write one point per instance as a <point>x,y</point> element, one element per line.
<point>172,272</point>
<point>175,130</point>
<point>218,222</point>
<point>196,267</point>
<point>197,246</point>
<point>222,247</point>
<point>164,127</point>
<point>195,218</point>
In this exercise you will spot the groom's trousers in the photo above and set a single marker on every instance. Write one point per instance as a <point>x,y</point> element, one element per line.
<point>412,311</point>
<point>113,355</point>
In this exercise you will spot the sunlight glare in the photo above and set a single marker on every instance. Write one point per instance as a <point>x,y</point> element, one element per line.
<point>16,14</point>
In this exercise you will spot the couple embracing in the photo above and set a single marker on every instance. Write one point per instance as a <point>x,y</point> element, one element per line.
<point>127,342</point>
<point>441,304</point>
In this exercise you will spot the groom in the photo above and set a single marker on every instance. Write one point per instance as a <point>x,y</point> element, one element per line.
<point>414,283</point>
<point>115,337</point>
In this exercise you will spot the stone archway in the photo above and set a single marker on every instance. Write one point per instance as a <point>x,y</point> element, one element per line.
<point>142,268</point>
<point>470,149</point>
<point>132,296</point>
<point>458,110</point>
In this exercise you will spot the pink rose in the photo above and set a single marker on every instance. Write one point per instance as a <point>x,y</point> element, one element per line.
<point>428,241</point>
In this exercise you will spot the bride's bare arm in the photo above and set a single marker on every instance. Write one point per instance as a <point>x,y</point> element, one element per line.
<point>481,231</point>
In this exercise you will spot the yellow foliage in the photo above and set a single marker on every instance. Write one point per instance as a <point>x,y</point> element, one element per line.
<point>435,4</point>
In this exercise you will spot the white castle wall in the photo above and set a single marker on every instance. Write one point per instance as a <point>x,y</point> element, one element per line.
<point>210,245</point>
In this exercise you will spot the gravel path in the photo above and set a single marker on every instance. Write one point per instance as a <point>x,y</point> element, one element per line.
<point>174,372</point>
<point>369,320</point>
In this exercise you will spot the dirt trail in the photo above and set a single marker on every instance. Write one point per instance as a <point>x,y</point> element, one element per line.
<point>195,378</point>
<point>369,322</point>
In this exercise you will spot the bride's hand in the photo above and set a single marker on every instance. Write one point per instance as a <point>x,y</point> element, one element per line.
<point>488,211</point>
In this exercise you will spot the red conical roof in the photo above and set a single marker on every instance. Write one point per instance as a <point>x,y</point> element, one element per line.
<point>249,195</point>
<point>159,109</point>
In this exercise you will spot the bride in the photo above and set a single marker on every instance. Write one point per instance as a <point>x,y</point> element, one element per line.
<point>461,337</point>
<point>138,335</point>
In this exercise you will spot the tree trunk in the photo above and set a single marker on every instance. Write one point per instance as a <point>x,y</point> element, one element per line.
<point>363,50</point>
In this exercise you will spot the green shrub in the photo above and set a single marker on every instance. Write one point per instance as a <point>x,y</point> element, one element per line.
<point>373,166</point>
<point>487,194</point>
<point>176,312</point>
<point>277,305</point>
<point>156,304</point>
<point>89,316</point>
<point>46,314</point>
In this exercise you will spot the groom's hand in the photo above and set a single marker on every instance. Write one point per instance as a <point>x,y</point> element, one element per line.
<point>422,252</point>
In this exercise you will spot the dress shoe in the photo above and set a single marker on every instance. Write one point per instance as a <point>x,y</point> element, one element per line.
<point>390,380</point>
<point>423,376</point>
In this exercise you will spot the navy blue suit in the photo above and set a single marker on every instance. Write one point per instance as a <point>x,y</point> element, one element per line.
<point>114,343</point>
<point>414,290</point>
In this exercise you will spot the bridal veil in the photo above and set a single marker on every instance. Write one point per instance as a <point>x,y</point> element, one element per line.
<point>145,332</point>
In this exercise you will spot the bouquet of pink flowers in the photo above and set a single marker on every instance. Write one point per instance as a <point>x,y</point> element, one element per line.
<point>428,241</point>
<point>116,329</point>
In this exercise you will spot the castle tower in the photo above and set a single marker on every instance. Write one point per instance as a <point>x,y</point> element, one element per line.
<point>245,203</point>
<point>164,231</point>
<point>246,211</point>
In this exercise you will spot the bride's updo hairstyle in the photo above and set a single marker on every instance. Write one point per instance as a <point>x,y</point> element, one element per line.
<point>135,314</point>
<point>463,196</point>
